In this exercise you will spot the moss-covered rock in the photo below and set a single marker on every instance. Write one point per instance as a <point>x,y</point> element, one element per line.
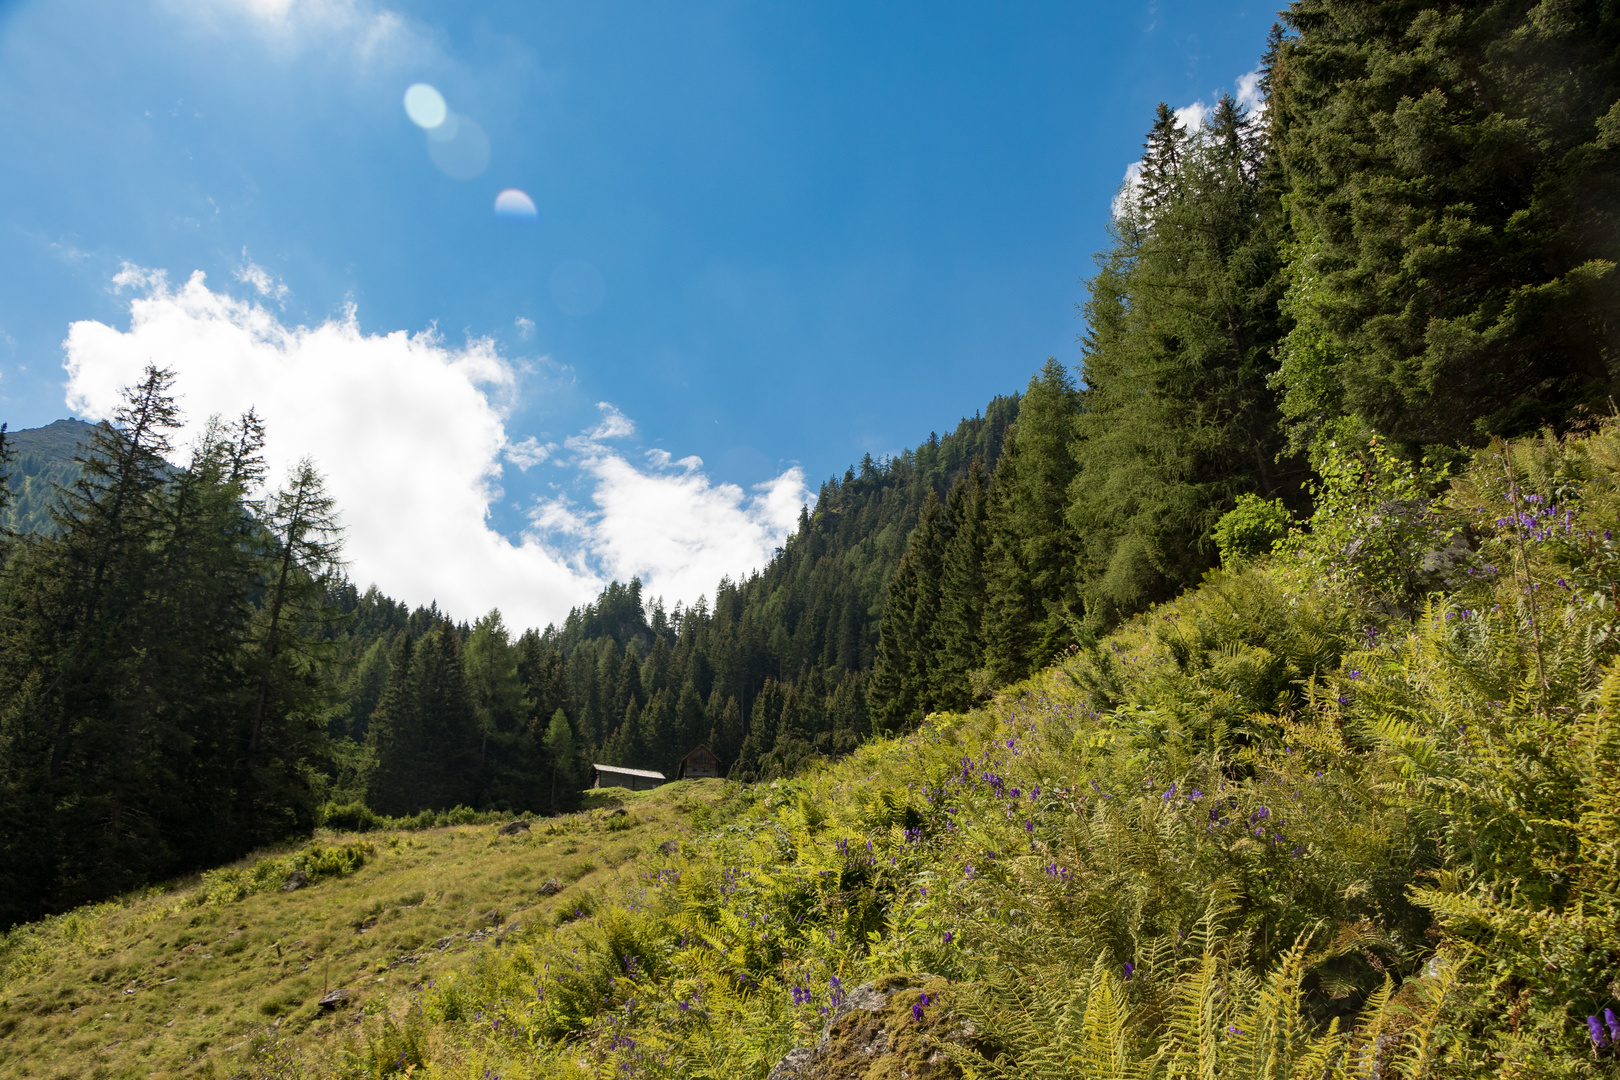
<point>896,1027</point>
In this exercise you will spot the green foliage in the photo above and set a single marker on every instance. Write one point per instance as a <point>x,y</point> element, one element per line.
<point>1377,530</point>
<point>1182,319</point>
<point>1251,528</point>
<point>230,884</point>
<point>1323,835</point>
<point>162,709</point>
<point>1029,558</point>
<point>1452,188</point>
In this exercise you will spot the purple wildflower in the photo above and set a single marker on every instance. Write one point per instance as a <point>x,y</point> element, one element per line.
<point>1594,1027</point>
<point>923,1000</point>
<point>1614,1025</point>
<point>1130,969</point>
<point>948,936</point>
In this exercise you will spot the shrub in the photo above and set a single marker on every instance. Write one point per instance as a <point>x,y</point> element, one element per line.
<point>1251,528</point>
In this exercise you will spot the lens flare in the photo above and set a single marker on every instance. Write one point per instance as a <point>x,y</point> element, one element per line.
<point>425,106</point>
<point>459,147</point>
<point>516,206</point>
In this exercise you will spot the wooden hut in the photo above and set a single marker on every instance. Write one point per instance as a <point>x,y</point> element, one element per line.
<point>700,763</point>
<point>634,779</point>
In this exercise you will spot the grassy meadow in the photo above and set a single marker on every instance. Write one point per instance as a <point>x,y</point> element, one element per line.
<point>199,978</point>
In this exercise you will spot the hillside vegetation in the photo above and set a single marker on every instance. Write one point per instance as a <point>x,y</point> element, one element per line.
<point>1346,809</point>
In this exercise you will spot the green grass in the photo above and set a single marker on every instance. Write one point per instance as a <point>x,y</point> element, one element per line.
<point>172,983</point>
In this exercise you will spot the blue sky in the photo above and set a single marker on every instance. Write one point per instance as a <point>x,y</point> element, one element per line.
<point>770,236</point>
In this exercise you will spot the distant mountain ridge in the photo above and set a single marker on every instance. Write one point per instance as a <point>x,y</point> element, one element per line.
<point>43,463</point>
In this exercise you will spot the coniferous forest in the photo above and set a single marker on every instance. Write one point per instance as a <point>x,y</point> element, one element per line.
<point>1316,321</point>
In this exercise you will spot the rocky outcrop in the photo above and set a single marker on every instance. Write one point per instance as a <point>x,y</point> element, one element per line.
<point>896,1027</point>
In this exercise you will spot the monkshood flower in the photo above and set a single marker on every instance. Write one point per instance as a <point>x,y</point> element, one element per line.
<point>923,1001</point>
<point>1614,1025</point>
<point>1130,969</point>
<point>1170,792</point>
<point>1594,1027</point>
<point>948,937</point>
<point>801,995</point>
<point>835,991</point>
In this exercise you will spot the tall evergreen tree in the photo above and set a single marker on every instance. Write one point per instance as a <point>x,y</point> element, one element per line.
<point>450,735</point>
<point>1030,587</point>
<point>1182,322</point>
<point>1454,178</point>
<point>962,593</point>
<point>395,737</point>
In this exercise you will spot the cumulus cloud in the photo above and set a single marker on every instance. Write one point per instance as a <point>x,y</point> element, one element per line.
<point>678,531</point>
<point>1129,189</point>
<point>614,425</point>
<point>526,453</point>
<point>410,433</point>
<point>1249,94</point>
<point>1191,117</point>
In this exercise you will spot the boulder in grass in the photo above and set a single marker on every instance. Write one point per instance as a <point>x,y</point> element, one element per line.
<point>335,999</point>
<point>512,828</point>
<point>295,880</point>
<point>899,1025</point>
<point>551,888</point>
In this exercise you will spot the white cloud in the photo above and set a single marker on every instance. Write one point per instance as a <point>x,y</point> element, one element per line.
<point>614,425</point>
<point>1191,117</point>
<point>1249,93</point>
<point>525,327</point>
<point>252,273</point>
<point>677,531</point>
<point>1129,189</point>
<point>528,452</point>
<point>410,434</point>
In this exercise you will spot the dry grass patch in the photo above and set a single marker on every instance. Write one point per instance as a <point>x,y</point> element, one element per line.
<point>169,982</point>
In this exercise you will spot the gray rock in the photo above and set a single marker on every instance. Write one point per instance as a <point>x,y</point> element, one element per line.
<point>551,888</point>
<point>867,1040</point>
<point>512,828</point>
<point>334,999</point>
<point>794,1064</point>
<point>295,880</point>
<point>669,847</point>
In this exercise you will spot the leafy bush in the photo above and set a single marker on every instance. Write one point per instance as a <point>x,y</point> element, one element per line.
<point>1251,528</point>
<point>229,884</point>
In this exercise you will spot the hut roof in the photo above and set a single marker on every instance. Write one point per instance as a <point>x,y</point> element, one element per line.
<point>617,771</point>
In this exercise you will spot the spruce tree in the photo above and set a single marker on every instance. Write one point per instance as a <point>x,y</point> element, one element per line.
<point>450,736</point>
<point>395,737</point>
<point>962,593</point>
<point>1030,586</point>
<point>1182,321</point>
<point>1454,185</point>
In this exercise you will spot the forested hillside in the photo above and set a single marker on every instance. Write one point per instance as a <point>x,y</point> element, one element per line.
<point>188,675</point>
<point>770,671</point>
